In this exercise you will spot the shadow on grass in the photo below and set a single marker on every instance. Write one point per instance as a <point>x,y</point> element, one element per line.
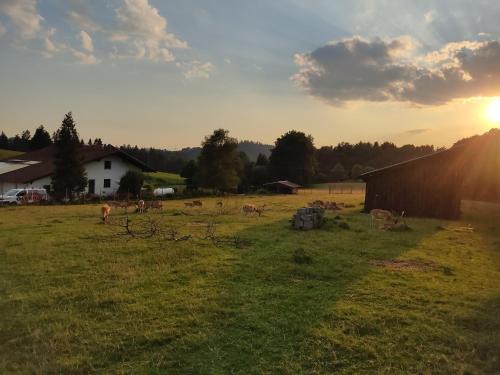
<point>269,303</point>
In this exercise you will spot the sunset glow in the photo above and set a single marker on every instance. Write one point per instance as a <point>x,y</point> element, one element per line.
<point>493,111</point>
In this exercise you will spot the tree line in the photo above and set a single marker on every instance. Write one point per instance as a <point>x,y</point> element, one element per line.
<point>174,161</point>
<point>222,167</point>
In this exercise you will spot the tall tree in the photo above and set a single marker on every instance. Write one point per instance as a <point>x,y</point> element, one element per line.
<point>292,157</point>
<point>40,139</point>
<point>262,160</point>
<point>338,172</point>
<point>219,162</point>
<point>69,175</point>
<point>189,172</point>
<point>4,141</point>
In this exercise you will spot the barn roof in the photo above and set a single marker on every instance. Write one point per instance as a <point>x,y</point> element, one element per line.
<point>40,163</point>
<point>437,156</point>
<point>285,183</point>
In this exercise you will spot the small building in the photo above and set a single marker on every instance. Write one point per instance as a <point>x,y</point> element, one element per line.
<point>104,165</point>
<point>283,187</point>
<point>428,186</point>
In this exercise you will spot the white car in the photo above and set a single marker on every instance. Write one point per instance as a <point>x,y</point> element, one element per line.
<point>20,196</point>
<point>159,192</point>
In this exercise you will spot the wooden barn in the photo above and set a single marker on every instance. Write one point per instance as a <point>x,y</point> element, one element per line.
<point>428,186</point>
<point>282,187</point>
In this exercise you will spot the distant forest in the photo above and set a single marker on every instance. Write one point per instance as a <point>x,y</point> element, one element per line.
<point>175,161</point>
<point>332,163</point>
<point>342,161</point>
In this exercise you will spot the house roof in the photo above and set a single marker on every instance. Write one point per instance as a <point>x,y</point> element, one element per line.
<point>40,163</point>
<point>284,183</point>
<point>434,157</point>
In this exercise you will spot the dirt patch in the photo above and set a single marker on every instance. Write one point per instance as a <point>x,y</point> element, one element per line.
<point>404,265</point>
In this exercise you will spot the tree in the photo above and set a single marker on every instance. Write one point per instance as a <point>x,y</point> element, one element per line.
<point>69,174</point>
<point>131,182</point>
<point>356,170</point>
<point>219,162</point>
<point>292,158</point>
<point>40,139</point>
<point>262,160</point>
<point>4,141</point>
<point>189,172</point>
<point>338,172</point>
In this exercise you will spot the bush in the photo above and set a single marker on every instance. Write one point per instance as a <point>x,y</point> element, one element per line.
<point>131,182</point>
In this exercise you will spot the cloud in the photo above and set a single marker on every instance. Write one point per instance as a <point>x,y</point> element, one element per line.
<point>417,131</point>
<point>83,21</point>
<point>429,16</point>
<point>375,70</point>
<point>83,57</point>
<point>86,40</point>
<point>24,15</point>
<point>3,30</point>
<point>195,69</point>
<point>145,29</point>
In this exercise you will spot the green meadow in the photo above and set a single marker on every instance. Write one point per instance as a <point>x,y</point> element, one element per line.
<point>214,291</point>
<point>5,154</point>
<point>163,179</point>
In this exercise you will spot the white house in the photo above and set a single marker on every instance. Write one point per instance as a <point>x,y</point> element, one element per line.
<point>105,165</point>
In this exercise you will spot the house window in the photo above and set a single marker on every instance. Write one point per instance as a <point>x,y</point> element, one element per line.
<point>107,164</point>
<point>107,183</point>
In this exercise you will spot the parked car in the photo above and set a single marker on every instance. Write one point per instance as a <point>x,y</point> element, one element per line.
<point>24,196</point>
<point>159,192</point>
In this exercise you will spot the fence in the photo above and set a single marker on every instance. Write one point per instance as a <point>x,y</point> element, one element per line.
<point>346,188</point>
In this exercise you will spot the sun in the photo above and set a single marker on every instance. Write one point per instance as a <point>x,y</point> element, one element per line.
<point>493,110</point>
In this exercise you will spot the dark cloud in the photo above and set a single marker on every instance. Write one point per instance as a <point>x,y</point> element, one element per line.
<point>358,69</point>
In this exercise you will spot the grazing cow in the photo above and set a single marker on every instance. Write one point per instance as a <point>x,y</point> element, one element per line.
<point>198,203</point>
<point>105,211</point>
<point>141,206</point>
<point>188,204</point>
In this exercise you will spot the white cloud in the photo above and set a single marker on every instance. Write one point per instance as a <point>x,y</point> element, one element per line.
<point>357,69</point>
<point>83,21</point>
<point>195,69</point>
<point>429,16</point>
<point>228,61</point>
<point>86,40</point>
<point>24,15</point>
<point>84,58</point>
<point>145,29</point>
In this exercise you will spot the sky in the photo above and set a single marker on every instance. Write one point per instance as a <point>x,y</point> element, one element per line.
<point>167,73</point>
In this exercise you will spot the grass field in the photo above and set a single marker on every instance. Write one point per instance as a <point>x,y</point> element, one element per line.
<point>163,179</point>
<point>77,296</point>
<point>4,154</point>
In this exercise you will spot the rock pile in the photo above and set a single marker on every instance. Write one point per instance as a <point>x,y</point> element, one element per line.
<point>308,218</point>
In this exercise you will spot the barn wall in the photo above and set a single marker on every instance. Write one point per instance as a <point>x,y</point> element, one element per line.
<point>431,189</point>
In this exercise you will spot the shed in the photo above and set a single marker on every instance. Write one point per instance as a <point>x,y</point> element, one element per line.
<point>283,187</point>
<point>426,186</point>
